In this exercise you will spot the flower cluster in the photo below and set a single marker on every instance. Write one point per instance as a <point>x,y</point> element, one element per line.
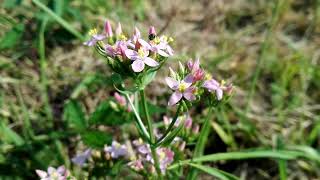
<point>144,157</point>
<point>61,173</point>
<point>191,81</point>
<point>135,52</point>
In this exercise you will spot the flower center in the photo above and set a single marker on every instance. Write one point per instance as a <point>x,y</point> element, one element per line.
<point>182,87</point>
<point>162,155</point>
<point>122,37</point>
<point>93,32</point>
<point>141,52</point>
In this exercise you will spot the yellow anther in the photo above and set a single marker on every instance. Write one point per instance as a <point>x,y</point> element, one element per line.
<point>141,52</point>
<point>208,76</point>
<point>122,37</point>
<point>93,32</point>
<point>182,87</point>
<point>222,83</point>
<point>170,39</point>
<point>156,40</point>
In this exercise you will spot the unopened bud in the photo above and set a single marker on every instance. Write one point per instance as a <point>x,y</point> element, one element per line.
<point>195,129</point>
<point>119,29</point>
<point>182,146</point>
<point>108,28</point>
<point>152,33</point>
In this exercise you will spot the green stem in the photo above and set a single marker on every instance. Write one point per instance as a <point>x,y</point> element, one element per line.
<point>171,124</point>
<point>203,137</point>
<point>152,136</point>
<point>139,121</point>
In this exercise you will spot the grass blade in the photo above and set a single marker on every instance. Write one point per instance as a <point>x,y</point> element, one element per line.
<point>57,18</point>
<point>214,172</point>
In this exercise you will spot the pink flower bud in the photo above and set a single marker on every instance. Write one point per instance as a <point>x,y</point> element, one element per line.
<point>120,99</point>
<point>182,146</point>
<point>152,30</point>
<point>188,122</point>
<point>119,29</point>
<point>195,129</point>
<point>166,120</point>
<point>228,89</point>
<point>108,29</point>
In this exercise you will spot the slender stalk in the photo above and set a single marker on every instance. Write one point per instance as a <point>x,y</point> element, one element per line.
<point>139,121</point>
<point>171,124</point>
<point>152,136</point>
<point>203,137</point>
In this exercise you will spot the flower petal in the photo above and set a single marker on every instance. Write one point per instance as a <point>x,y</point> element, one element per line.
<point>41,174</point>
<point>137,65</point>
<point>189,96</point>
<point>172,83</point>
<point>188,80</point>
<point>99,37</point>
<point>219,94</point>
<point>175,97</point>
<point>144,43</point>
<point>211,85</point>
<point>133,55</point>
<point>162,53</point>
<point>150,62</point>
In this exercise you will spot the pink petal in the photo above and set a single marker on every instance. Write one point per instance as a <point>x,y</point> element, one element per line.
<point>211,84</point>
<point>133,55</point>
<point>144,43</point>
<point>189,96</point>
<point>137,65</point>
<point>196,65</point>
<point>188,80</point>
<point>150,62</point>
<point>175,97</point>
<point>172,83</point>
<point>41,174</point>
<point>119,29</point>
<point>219,94</point>
<point>162,53</point>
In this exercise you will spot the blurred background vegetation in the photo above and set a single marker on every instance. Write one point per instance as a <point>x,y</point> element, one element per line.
<point>269,49</point>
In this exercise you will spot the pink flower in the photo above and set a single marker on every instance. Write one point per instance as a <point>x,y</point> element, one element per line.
<point>81,158</point>
<point>95,37</point>
<point>116,150</point>
<point>218,88</point>
<point>166,157</point>
<point>182,89</point>
<point>52,173</point>
<point>136,165</point>
<point>157,48</point>
<point>195,69</point>
<point>108,29</point>
<point>140,58</point>
<point>118,48</point>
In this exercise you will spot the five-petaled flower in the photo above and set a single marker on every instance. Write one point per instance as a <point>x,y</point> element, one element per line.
<point>214,86</point>
<point>82,157</point>
<point>54,174</point>
<point>95,37</point>
<point>116,150</point>
<point>182,89</point>
<point>140,58</point>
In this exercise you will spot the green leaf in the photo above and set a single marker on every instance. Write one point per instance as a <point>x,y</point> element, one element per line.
<point>252,154</point>
<point>12,37</point>
<point>57,18</point>
<point>96,139</point>
<point>214,172</point>
<point>74,115</point>
<point>106,115</point>
<point>9,4</point>
<point>8,135</point>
